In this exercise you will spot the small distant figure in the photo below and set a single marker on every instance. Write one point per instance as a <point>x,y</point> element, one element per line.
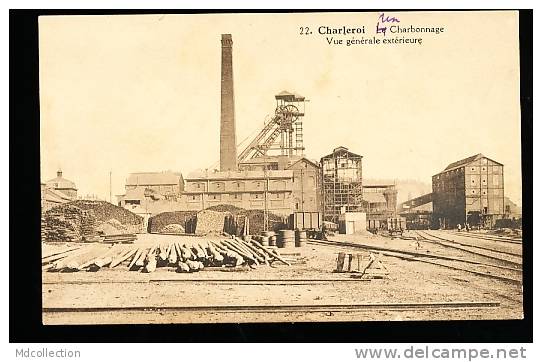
<point>323,232</point>
<point>467,227</point>
<point>458,227</point>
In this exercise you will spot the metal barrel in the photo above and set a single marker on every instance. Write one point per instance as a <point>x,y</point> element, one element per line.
<point>286,239</point>
<point>301,238</point>
<point>265,240</point>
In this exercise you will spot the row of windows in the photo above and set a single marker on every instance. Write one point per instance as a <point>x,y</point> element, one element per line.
<point>237,185</point>
<point>253,196</point>
<point>472,181</point>
<point>495,192</point>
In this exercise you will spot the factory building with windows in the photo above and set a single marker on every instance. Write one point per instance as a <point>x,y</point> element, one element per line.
<point>271,189</point>
<point>469,191</point>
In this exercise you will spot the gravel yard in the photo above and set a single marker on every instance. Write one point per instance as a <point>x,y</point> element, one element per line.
<point>309,282</point>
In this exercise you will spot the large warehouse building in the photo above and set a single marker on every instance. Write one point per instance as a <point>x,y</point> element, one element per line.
<point>470,190</point>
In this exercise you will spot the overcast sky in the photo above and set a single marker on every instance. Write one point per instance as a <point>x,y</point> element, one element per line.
<point>142,93</point>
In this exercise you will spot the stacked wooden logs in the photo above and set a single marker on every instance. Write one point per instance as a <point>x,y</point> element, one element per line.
<point>184,256</point>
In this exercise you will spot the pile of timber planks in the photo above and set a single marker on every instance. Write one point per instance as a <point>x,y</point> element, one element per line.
<point>119,238</point>
<point>184,255</point>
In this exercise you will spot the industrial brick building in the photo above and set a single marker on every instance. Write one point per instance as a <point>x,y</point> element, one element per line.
<point>270,189</point>
<point>470,190</point>
<point>306,186</point>
<point>143,188</point>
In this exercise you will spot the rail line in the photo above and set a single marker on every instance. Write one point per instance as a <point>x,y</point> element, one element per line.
<point>424,258</point>
<point>486,237</point>
<point>448,242</point>
<point>214,281</point>
<point>414,254</point>
<point>471,245</point>
<point>279,308</point>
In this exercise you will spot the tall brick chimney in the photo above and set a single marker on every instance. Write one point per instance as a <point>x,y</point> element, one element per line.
<point>228,148</point>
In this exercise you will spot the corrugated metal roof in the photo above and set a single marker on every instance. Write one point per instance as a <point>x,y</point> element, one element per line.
<point>466,161</point>
<point>52,195</point>
<point>153,178</point>
<point>463,161</point>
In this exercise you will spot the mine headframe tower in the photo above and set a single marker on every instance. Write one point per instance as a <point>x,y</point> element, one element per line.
<point>283,132</point>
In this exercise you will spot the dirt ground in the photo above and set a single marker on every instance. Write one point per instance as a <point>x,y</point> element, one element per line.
<point>309,282</point>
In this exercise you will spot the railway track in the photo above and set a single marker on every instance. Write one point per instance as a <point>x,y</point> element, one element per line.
<point>486,237</point>
<point>468,244</point>
<point>486,270</point>
<point>279,308</point>
<point>215,281</point>
<point>473,249</point>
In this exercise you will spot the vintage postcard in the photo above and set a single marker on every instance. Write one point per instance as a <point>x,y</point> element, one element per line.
<point>280,167</point>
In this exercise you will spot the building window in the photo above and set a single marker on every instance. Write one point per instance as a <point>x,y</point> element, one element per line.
<point>215,197</point>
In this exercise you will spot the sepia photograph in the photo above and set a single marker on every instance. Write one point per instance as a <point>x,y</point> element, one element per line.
<point>280,167</point>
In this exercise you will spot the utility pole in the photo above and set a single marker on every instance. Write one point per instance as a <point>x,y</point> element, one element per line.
<point>265,212</point>
<point>110,187</point>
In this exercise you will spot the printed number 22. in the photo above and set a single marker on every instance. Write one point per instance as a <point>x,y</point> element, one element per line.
<point>304,30</point>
